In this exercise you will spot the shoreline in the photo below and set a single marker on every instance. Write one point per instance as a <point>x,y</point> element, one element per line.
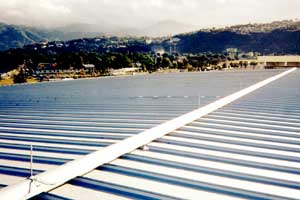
<point>9,82</point>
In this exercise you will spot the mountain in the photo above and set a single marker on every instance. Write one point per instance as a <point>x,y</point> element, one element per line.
<point>13,36</point>
<point>16,36</point>
<point>265,27</point>
<point>165,28</point>
<point>281,37</point>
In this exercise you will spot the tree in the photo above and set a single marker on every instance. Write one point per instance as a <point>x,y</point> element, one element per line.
<point>147,62</point>
<point>234,65</point>
<point>122,61</point>
<point>107,61</point>
<point>158,62</point>
<point>182,64</point>
<point>253,64</point>
<point>204,62</point>
<point>98,62</point>
<point>165,55</point>
<point>67,60</point>
<point>166,63</point>
<point>241,63</point>
<point>20,78</point>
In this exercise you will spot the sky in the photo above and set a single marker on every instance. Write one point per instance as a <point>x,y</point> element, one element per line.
<point>141,13</point>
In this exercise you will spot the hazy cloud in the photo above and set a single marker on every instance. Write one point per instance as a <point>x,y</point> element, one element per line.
<point>138,13</point>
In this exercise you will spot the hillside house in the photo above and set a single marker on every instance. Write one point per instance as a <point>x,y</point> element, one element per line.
<point>89,68</point>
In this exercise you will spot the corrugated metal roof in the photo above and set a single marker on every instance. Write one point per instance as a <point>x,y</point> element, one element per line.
<point>248,149</point>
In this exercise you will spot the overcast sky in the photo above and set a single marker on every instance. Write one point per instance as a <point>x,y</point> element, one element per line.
<point>138,13</point>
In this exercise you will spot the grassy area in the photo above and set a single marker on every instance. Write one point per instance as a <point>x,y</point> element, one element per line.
<point>32,80</point>
<point>11,81</point>
<point>6,82</point>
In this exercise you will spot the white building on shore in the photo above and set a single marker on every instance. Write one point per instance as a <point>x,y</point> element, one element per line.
<point>279,61</point>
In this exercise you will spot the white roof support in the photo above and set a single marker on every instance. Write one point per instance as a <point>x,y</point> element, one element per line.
<point>49,180</point>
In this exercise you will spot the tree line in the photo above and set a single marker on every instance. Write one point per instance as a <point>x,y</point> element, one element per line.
<point>104,61</point>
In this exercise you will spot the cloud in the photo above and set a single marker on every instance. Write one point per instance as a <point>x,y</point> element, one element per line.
<point>33,12</point>
<point>138,13</point>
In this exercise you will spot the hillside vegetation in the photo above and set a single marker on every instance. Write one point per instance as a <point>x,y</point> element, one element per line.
<point>12,36</point>
<point>281,37</point>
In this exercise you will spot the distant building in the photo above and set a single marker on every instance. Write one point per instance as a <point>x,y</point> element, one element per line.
<point>45,66</point>
<point>52,69</point>
<point>279,61</point>
<point>59,45</point>
<point>232,52</point>
<point>125,71</point>
<point>173,45</point>
<point>90,68</point>
<point>148,41</point>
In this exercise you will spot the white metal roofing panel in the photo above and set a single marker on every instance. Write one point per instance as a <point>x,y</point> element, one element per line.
<point>204,157</point>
